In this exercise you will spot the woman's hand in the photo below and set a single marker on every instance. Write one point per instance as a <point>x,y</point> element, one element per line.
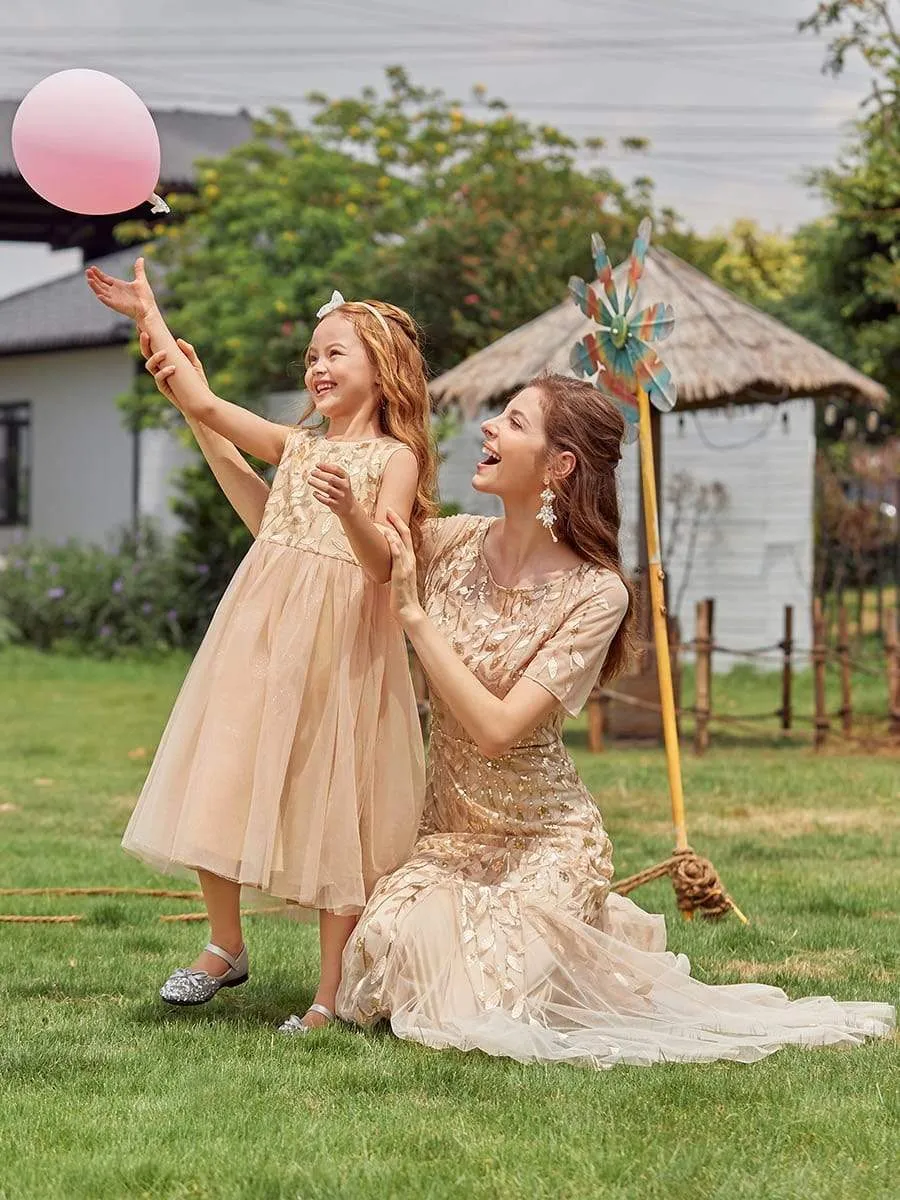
<point>161,371</point>
<point>331,487</point>
<point>404,593</point>
<point>133,299</point>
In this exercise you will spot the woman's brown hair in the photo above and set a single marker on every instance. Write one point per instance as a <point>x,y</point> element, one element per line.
<point>405,411</point>
<point>582,420</point>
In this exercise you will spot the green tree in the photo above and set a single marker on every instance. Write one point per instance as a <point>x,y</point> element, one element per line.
<point>854,255</point>
<point>766,269</point>
<point>504,211</point>
<point>471,219</point>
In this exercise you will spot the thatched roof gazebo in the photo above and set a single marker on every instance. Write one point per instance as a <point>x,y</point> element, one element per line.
<point>723,350</point>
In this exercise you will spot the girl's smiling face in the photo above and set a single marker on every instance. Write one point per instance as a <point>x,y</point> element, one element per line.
<point>515,446</point>
<point>340,376</point>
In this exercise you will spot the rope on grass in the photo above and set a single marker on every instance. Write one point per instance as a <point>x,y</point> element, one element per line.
<point>159,893</point>
<point>245,912</point>
<point>696,883</point>
<point>10,919</point>
<point>15,919</point>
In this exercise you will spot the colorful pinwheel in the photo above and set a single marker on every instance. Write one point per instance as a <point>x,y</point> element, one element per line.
<point>620,348</point>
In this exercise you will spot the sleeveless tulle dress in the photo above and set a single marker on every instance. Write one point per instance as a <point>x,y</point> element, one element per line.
<point>292,761</point>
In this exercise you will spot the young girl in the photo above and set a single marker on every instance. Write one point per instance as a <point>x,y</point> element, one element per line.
<point>292,761</point>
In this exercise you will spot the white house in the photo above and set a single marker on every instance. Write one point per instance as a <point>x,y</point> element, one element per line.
<point>69,466</point>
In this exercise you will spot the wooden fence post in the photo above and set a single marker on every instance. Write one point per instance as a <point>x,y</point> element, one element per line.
<point>703,640</point>
<point>818,657</point>
<point>892,657</point>
<point>844,659</point>
<point>787,674</point>
<point>596,721</point>
<point>860,611</point>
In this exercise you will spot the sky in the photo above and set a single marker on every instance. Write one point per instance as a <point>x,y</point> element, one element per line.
<point>731,96</point>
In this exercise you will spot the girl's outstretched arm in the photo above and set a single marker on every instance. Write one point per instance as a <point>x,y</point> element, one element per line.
<point>191,394</point>
<point>244,489</point>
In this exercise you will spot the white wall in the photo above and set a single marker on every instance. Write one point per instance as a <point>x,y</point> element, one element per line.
<point>754,556</point>
<point>82,468</point>
<point>161,456</point>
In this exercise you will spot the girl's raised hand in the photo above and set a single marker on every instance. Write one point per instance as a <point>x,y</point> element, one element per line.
<point>331,487</point>
<point>133,299</point>
<point>404,592</point>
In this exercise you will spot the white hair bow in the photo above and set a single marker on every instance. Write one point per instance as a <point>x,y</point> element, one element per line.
<point>335,302</point>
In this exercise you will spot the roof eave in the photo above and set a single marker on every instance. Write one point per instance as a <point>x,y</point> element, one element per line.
<point>50,346</point>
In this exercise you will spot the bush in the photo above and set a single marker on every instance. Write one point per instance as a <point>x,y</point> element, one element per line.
<point>80,598</point>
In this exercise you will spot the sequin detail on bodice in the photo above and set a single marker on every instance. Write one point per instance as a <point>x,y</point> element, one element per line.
<point>294,517</point>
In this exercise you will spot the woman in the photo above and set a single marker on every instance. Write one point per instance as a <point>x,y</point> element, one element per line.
<point>501,932</point>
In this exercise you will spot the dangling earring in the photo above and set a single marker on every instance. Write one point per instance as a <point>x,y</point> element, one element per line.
<point>546,514</point>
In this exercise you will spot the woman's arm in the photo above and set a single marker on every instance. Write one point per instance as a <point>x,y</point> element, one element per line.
<point>331,487</point>
<point>494,724</point>
<point>252,433</point>
<point>245,490</point>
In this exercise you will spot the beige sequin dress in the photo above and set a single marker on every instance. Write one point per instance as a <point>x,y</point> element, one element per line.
<point>501,933</point>
<point>293,757</point>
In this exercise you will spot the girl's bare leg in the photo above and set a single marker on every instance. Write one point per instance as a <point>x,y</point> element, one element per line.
<point>223,906</point>
<point>334,933</point>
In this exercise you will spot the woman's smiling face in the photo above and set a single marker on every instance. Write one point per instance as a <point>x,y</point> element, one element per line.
<point>515,445</point>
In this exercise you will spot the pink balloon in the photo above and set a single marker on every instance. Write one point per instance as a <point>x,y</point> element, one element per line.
<point>85,141</point>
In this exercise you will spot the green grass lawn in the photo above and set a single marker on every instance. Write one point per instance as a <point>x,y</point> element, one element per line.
<point>106,1093</point>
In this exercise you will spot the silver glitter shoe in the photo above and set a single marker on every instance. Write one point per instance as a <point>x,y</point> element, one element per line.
<point>189,985</point>
<point>296,1024</point>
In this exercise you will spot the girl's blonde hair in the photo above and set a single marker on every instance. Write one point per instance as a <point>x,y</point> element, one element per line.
<point>394,349</point>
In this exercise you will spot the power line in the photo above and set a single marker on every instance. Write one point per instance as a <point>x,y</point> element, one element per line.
<point>234,45</point>
<point>773,110</point>
<point>484,58</point>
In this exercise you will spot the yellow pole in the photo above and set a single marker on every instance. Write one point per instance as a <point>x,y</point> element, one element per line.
<point>660,632</point>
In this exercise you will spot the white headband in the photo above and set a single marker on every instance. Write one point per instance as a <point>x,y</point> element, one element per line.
<point>338,301</point>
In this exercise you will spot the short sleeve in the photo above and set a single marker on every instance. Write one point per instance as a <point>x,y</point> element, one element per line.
<point>569,662</point>
<point>438,534</point>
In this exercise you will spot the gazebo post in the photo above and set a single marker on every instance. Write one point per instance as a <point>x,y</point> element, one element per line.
<point>695,879</point>
<point>658,620</point>
<point>646,624</point>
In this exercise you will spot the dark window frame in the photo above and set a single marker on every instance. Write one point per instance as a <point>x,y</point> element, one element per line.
<point>15,463</point>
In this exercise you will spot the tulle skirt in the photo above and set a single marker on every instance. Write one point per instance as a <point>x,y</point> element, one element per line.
<point>493,970</point>
<point>292,761</point>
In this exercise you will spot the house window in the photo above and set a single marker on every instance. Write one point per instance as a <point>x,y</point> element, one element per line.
<point>15,462</point>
